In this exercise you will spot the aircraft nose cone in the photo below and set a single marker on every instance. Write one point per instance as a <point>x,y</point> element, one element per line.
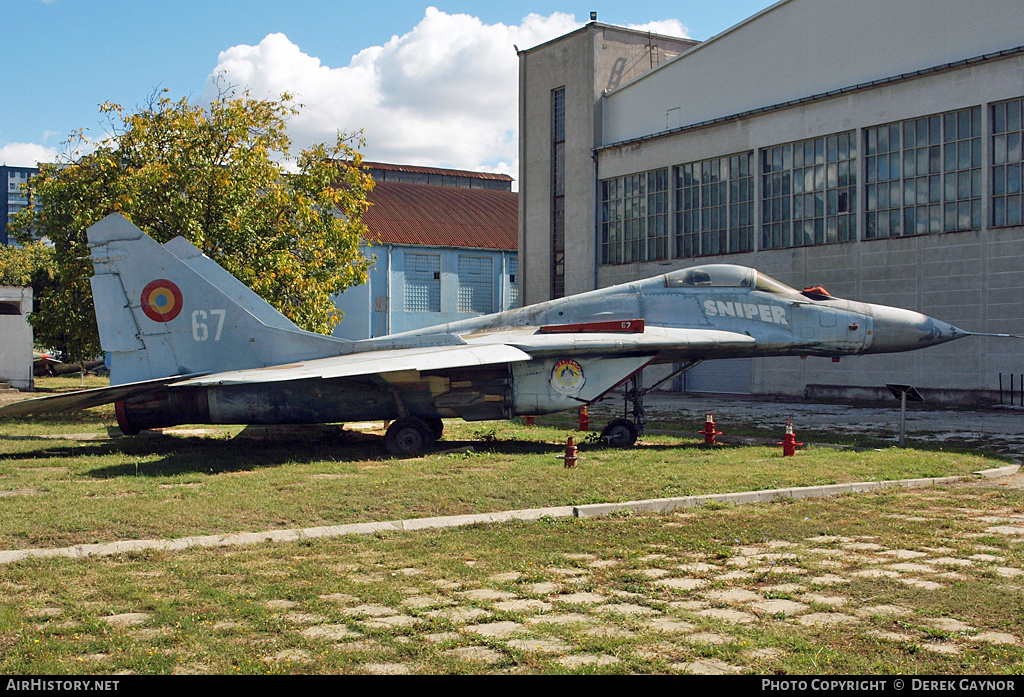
<point>896,329</point>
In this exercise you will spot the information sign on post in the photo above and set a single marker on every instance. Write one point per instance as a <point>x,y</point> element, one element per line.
<point>904,393</point>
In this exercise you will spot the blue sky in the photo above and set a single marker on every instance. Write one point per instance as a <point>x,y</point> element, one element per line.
<point>429,86</point>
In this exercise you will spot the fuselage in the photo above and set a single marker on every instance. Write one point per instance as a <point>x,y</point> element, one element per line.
<point>782,320</point>
<point>580,347</point>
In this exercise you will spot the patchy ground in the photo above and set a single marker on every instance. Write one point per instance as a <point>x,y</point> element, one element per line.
<point>928,580</point>
<point>775,584</point>
<point>998,429</point>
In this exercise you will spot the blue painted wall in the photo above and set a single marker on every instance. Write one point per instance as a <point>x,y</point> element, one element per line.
<point>379,307</point>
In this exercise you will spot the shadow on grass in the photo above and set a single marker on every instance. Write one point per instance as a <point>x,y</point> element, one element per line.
<point>177,455</point>
<point>183,455</point>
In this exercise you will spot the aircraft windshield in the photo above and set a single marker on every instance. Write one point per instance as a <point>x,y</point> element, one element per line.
<point>768,284</point>
<point>710,276</point>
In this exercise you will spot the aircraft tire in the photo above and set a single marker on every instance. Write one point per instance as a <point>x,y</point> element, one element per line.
<point>437,427</point>
<point>620,433</point>
<point>408,437</point>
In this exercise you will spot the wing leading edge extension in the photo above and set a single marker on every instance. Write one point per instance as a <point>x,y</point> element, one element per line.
<point>652,341</point>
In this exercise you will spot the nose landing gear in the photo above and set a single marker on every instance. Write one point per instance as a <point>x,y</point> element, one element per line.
<point>620,433</point>
<point>623,432</point>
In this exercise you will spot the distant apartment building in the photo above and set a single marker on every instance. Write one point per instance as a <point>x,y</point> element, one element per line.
<point>14,196</point>
<point>445,244</point>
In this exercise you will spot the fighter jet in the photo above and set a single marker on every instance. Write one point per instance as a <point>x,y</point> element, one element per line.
<point>188,343</point>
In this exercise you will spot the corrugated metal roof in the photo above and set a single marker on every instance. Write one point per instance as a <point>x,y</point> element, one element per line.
<point>441,216</point>
<point>437,170</point>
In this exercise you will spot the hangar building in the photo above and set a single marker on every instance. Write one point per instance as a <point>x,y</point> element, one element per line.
<point>444,249</point>
<point>872,147</point>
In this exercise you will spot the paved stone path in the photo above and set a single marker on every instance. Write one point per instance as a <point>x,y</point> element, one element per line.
<point>774,582</point>
<point>689,612</point>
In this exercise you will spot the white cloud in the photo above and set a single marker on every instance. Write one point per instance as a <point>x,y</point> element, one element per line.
<point>665,27</point>
<point>26,154</point>
<point>444,94</point>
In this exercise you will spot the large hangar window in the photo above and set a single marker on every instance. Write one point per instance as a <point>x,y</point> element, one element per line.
<point>809,192</point>
<point>422,282</point>
<point>476,284</point>
<point>513,283</point>
<point>634,218</point>
<point>715,206</point>
<point>923,175</point>
<point>558,192</point>
<point>1007,163</point>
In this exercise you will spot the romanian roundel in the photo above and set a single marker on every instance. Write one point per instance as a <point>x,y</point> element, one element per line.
<point>161,300</point>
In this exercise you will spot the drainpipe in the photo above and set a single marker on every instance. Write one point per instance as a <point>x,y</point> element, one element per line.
<point>387,315</point>
<point>597,216</point>
<point>501,285</point>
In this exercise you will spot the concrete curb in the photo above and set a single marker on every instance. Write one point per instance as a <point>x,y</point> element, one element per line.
<point>443,522</point>
<point>998,472</point>
<point>768,495</point>
<point>744,497</point>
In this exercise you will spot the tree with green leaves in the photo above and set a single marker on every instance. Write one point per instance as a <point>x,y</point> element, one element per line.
<point>224,178</point>
<point>29,265</point>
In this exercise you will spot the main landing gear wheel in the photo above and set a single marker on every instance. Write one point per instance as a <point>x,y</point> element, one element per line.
<point>408,437</point>
<point>437,427</point>
<point>620,433</point>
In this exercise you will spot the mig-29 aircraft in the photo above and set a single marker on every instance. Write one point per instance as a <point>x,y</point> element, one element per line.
<point>187,343</point>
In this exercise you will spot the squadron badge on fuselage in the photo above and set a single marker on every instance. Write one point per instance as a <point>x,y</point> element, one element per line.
<point>567,377</point>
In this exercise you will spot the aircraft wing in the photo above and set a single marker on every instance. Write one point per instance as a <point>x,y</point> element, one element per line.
<point>369,363</point>
<point>83,399</point>
<point>510,347</point>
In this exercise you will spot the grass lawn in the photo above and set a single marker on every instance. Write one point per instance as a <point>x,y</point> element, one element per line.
<point>925,581</point>
<point>63,492</point>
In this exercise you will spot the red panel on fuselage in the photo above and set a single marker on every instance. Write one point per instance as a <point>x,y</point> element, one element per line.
<point>622,326</point>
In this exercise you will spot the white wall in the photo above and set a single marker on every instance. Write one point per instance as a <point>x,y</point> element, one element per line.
<point>16,338</point>
<point>972,279</point>
<point>799,48</point>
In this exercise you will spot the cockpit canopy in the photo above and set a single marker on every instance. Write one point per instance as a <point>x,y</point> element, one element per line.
<point>725,276</point>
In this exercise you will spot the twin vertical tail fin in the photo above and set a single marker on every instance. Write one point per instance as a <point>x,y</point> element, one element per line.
<point>165,310</point>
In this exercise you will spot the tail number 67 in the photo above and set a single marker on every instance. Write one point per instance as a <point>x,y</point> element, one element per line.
<point>200,329</point>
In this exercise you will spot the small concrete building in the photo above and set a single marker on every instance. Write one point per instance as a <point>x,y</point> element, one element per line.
<point>16,337</point>
<point>445,247</point>
<point>872,147</point>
